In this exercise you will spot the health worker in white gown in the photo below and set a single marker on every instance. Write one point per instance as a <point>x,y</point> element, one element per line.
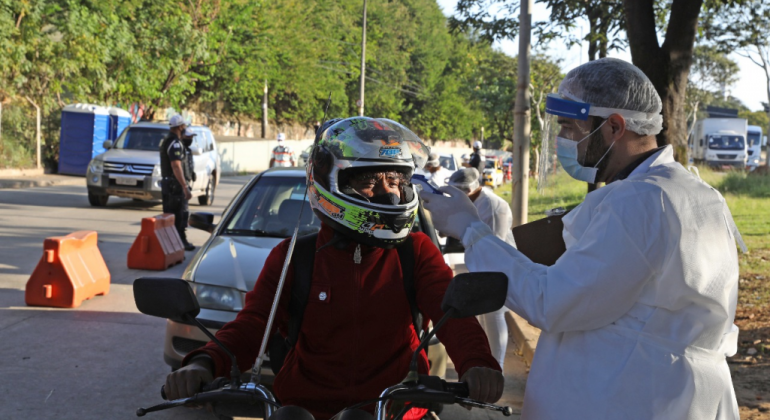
<point>637,315</point>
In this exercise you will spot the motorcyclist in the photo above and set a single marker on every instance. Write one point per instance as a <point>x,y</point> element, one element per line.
<point>356,336</point>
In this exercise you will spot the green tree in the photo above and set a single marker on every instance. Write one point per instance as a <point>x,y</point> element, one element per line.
<point>712,73</point>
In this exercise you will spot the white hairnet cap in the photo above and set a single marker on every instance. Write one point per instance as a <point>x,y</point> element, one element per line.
<point>281,137</point>
<point>466,179</point>
<point>614,83</point>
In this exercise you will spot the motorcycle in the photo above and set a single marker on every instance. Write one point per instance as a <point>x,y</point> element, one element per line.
<point>468,294</point>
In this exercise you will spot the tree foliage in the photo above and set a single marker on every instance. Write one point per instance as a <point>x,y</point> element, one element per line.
<point>215,57</point>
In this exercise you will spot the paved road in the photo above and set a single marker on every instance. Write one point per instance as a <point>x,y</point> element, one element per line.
<point>102,360</point>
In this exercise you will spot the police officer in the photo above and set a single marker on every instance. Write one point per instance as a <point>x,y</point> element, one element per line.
<point>189,165</point>
<point>174,187</point>
<point>476,160</point>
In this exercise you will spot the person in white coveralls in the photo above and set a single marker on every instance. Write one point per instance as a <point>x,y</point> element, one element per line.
<point>637,315</point>
<point>496,213</point>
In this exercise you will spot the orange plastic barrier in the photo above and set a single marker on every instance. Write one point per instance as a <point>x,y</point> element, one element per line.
<point>158,245</point>
<point>70,271</point>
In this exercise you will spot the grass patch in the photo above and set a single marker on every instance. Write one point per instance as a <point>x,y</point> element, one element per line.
<point>561,190</point>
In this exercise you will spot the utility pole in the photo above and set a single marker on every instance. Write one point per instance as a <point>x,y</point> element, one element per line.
<point>482,136</point>
<point>521,121</point>
<point>363,66</point>
<point>264,112</point>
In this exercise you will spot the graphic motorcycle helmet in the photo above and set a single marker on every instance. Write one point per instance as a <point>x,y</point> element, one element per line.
<point>350,146</point>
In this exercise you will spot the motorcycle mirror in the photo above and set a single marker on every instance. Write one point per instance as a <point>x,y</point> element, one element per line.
<point>166,298</point>
<point>291,412</point>
<point>355,414</point>
<point>175,300</point>
<point>468,294</point>
<point>472,294</point>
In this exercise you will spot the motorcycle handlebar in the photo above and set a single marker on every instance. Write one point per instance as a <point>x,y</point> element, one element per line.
<point>215,384</point>
<point>459,389</point>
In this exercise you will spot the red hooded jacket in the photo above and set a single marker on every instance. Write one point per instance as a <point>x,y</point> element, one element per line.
<point>357,336</point>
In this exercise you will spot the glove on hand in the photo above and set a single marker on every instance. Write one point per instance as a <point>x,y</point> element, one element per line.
<point>451,215</point>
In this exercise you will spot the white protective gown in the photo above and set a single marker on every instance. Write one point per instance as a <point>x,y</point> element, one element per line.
<point>496,213</point>
<point>637,315</point>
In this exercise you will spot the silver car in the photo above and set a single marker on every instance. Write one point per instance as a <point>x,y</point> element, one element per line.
<point>130,168</point>
<point>261,215</point>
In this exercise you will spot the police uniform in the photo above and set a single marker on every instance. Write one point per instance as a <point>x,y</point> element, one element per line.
<point>282,156</point>
<point>171,149</point>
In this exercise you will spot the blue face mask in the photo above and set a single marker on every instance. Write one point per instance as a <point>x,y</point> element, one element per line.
<point>567,153</point>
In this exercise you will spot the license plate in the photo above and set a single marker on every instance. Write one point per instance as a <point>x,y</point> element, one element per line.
<point>125,181</point>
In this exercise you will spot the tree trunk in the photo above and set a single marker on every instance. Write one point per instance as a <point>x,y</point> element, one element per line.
<point>667,66</point>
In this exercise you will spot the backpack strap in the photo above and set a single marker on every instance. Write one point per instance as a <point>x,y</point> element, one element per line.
<point>406,257</point>
<point>302,261</point>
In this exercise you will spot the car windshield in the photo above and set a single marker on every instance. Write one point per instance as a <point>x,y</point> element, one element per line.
<point>726,142</point>
<point>271,208</point>
<point>447,162</point>
<point>141,138</point>
<point>754,139</point>
<point>489,164</point>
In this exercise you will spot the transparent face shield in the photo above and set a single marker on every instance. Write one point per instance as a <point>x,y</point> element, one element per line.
<point>564,124</point>
<point>554,190</point>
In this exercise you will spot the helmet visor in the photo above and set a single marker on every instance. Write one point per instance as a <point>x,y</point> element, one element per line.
<point>374,139</point>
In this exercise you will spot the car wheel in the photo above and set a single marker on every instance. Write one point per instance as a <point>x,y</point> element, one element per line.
<point>208,198</point>
<point>97,200</point>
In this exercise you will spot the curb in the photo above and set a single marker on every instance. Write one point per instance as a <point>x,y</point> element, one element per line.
<point>12,172</point>
<point>44,181</point>
<point>524,336</point>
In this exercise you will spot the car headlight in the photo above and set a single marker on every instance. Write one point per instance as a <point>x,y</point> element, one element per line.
<point>156,170</point>
<point>218,297</point>
<point>97,166</point>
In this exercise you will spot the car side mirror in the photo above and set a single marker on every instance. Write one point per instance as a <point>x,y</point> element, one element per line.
<point>107,144</point>
<point>166,298</point>
<point>195,150</point>
<point>472,294</point>
<point>203,221</point>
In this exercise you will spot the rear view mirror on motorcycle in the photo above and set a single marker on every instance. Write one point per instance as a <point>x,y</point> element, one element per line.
<point>468,294</point>
<point>174,299</point>
<point>472,294</point>
<point>166,298</point>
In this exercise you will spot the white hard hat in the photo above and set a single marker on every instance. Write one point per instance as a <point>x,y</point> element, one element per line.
<point>189,133</point>
<point>176,121</point>
<point>281,137</point>
<point>477,144</point>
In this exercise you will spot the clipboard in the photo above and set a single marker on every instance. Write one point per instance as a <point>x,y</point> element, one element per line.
<point>541,241</point>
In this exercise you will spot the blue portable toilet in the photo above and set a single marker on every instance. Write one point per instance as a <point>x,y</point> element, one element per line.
<point>84,128</point>
<point>119,120</point>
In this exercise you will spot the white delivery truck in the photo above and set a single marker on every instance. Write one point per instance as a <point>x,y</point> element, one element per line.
<point>720,142</point>
<point>755,143</point>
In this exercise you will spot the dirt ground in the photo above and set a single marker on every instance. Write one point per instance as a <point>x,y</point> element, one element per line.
<point>750,367</point>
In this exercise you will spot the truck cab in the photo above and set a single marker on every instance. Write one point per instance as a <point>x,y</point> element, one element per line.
<point>720,142</point>
<point>754,144</point>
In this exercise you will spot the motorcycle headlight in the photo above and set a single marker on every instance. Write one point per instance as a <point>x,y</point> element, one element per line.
<point>97,166</point>
<point>218,297</point>
<point>156,170</point>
